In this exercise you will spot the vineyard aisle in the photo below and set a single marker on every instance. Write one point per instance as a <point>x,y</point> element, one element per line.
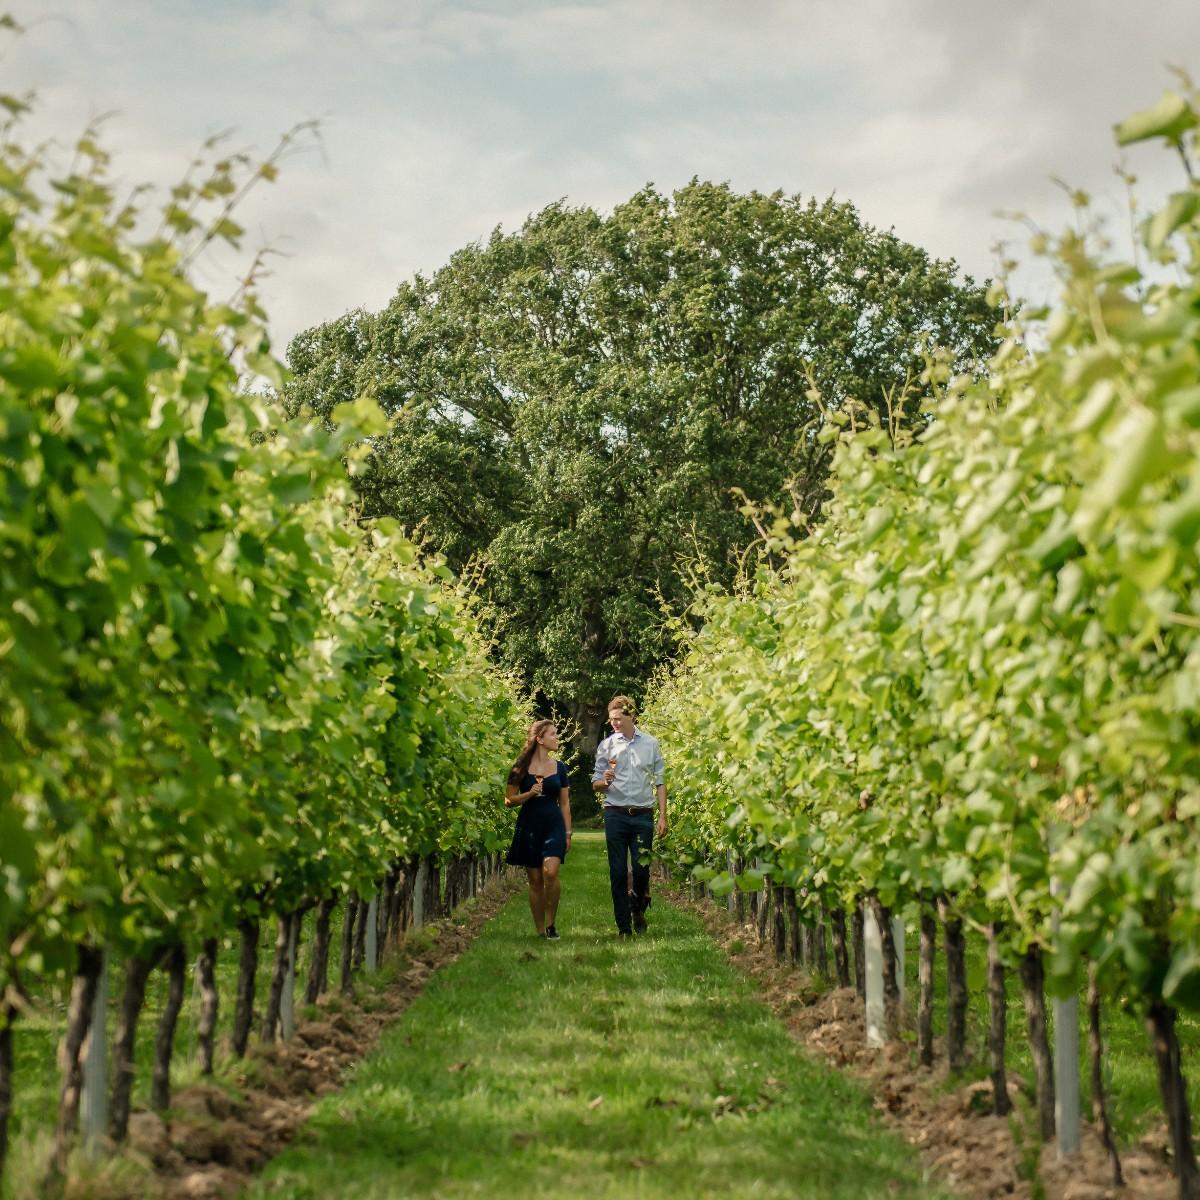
<point>593,1068</point>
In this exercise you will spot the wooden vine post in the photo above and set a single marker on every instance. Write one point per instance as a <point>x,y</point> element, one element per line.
<point>873,979</point>
<point>287,1005</point>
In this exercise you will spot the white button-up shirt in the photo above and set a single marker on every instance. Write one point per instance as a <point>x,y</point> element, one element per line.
<point>639,769</point>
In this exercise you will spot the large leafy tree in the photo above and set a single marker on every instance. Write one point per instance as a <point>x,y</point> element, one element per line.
<point>574,404</point>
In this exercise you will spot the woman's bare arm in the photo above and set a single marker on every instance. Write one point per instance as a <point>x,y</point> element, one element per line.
<point>514,798</point>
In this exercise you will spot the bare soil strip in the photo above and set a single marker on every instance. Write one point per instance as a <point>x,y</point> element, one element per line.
<point>974,1152</point>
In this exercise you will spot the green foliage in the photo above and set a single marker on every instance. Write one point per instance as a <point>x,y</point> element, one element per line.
<point>981,675</point>
<point>220,693</point>
<point>573,404</point>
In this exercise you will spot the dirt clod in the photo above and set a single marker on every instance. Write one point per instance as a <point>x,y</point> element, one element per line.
<point>148,1135</point>
<point>207,1184</point>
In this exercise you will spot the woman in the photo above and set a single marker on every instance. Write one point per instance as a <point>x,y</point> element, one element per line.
<point>537,785</point>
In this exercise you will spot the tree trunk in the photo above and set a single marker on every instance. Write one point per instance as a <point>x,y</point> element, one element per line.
<point>243,1015</point>
<point>1160,1021</point>
<point>406,894</point>
<point>210,1002</point>
<point>360,932</point>
<point>283,934</point>
<point>88,963</point>
<point>412,873</point>
<point>7,1021</point>
<point>998,1023</point>
<point>1096,1057</point>
<point>175,965</point>
<point>133,998</point>
<point>396,917</point>
<point>927,955</point>
<point>808,936</point>
<point>348,921</point>
<point>433,890</point>
<point>297,936</point>
<point>318,962</point>
<point>780,930</point>
<point>891,984</point>
<point>587,716</point>
<point>837,922</point>
<point>387,904</point>
<point>741,896</point>
<point>399,920</point>
<point>822,949</point>
<point>956,987</point>
<point>860,957</point>
<point>1034,986</point>
<point>793,921</point>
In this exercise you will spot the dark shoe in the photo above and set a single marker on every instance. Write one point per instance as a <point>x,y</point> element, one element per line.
<point>639,922</point>
<point>551,933</point>
<point>624,935</point>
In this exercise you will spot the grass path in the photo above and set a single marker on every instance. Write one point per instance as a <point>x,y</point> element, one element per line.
<point>593,1068</point>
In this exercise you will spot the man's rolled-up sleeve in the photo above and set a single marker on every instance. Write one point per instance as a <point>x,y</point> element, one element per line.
<point>660,767</point>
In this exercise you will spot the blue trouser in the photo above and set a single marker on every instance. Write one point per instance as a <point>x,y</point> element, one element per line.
<point>628,837</point>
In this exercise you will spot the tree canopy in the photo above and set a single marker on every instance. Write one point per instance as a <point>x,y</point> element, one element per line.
<point>574,404</point>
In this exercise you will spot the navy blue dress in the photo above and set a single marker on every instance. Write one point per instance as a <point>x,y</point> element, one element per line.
<point>541,832</point>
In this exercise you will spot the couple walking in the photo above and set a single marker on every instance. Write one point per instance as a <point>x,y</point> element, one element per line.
<point>629,776</point>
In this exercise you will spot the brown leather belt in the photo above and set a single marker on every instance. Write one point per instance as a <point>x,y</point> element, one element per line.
<point>630,808</point>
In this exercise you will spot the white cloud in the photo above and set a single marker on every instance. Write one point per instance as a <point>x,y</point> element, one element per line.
<point>444,117</point>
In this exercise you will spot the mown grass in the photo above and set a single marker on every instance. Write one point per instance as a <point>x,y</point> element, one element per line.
<point>593,1068</point>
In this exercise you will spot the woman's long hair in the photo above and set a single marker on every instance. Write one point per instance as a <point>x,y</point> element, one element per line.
<point>527,751</point>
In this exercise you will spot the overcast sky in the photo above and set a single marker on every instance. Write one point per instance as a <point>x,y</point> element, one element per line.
<point>444,118</point>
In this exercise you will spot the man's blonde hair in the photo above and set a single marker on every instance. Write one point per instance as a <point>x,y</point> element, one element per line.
<point>624,703</point>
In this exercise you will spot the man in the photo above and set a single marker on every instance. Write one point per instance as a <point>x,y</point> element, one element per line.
<point>629,775</point>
